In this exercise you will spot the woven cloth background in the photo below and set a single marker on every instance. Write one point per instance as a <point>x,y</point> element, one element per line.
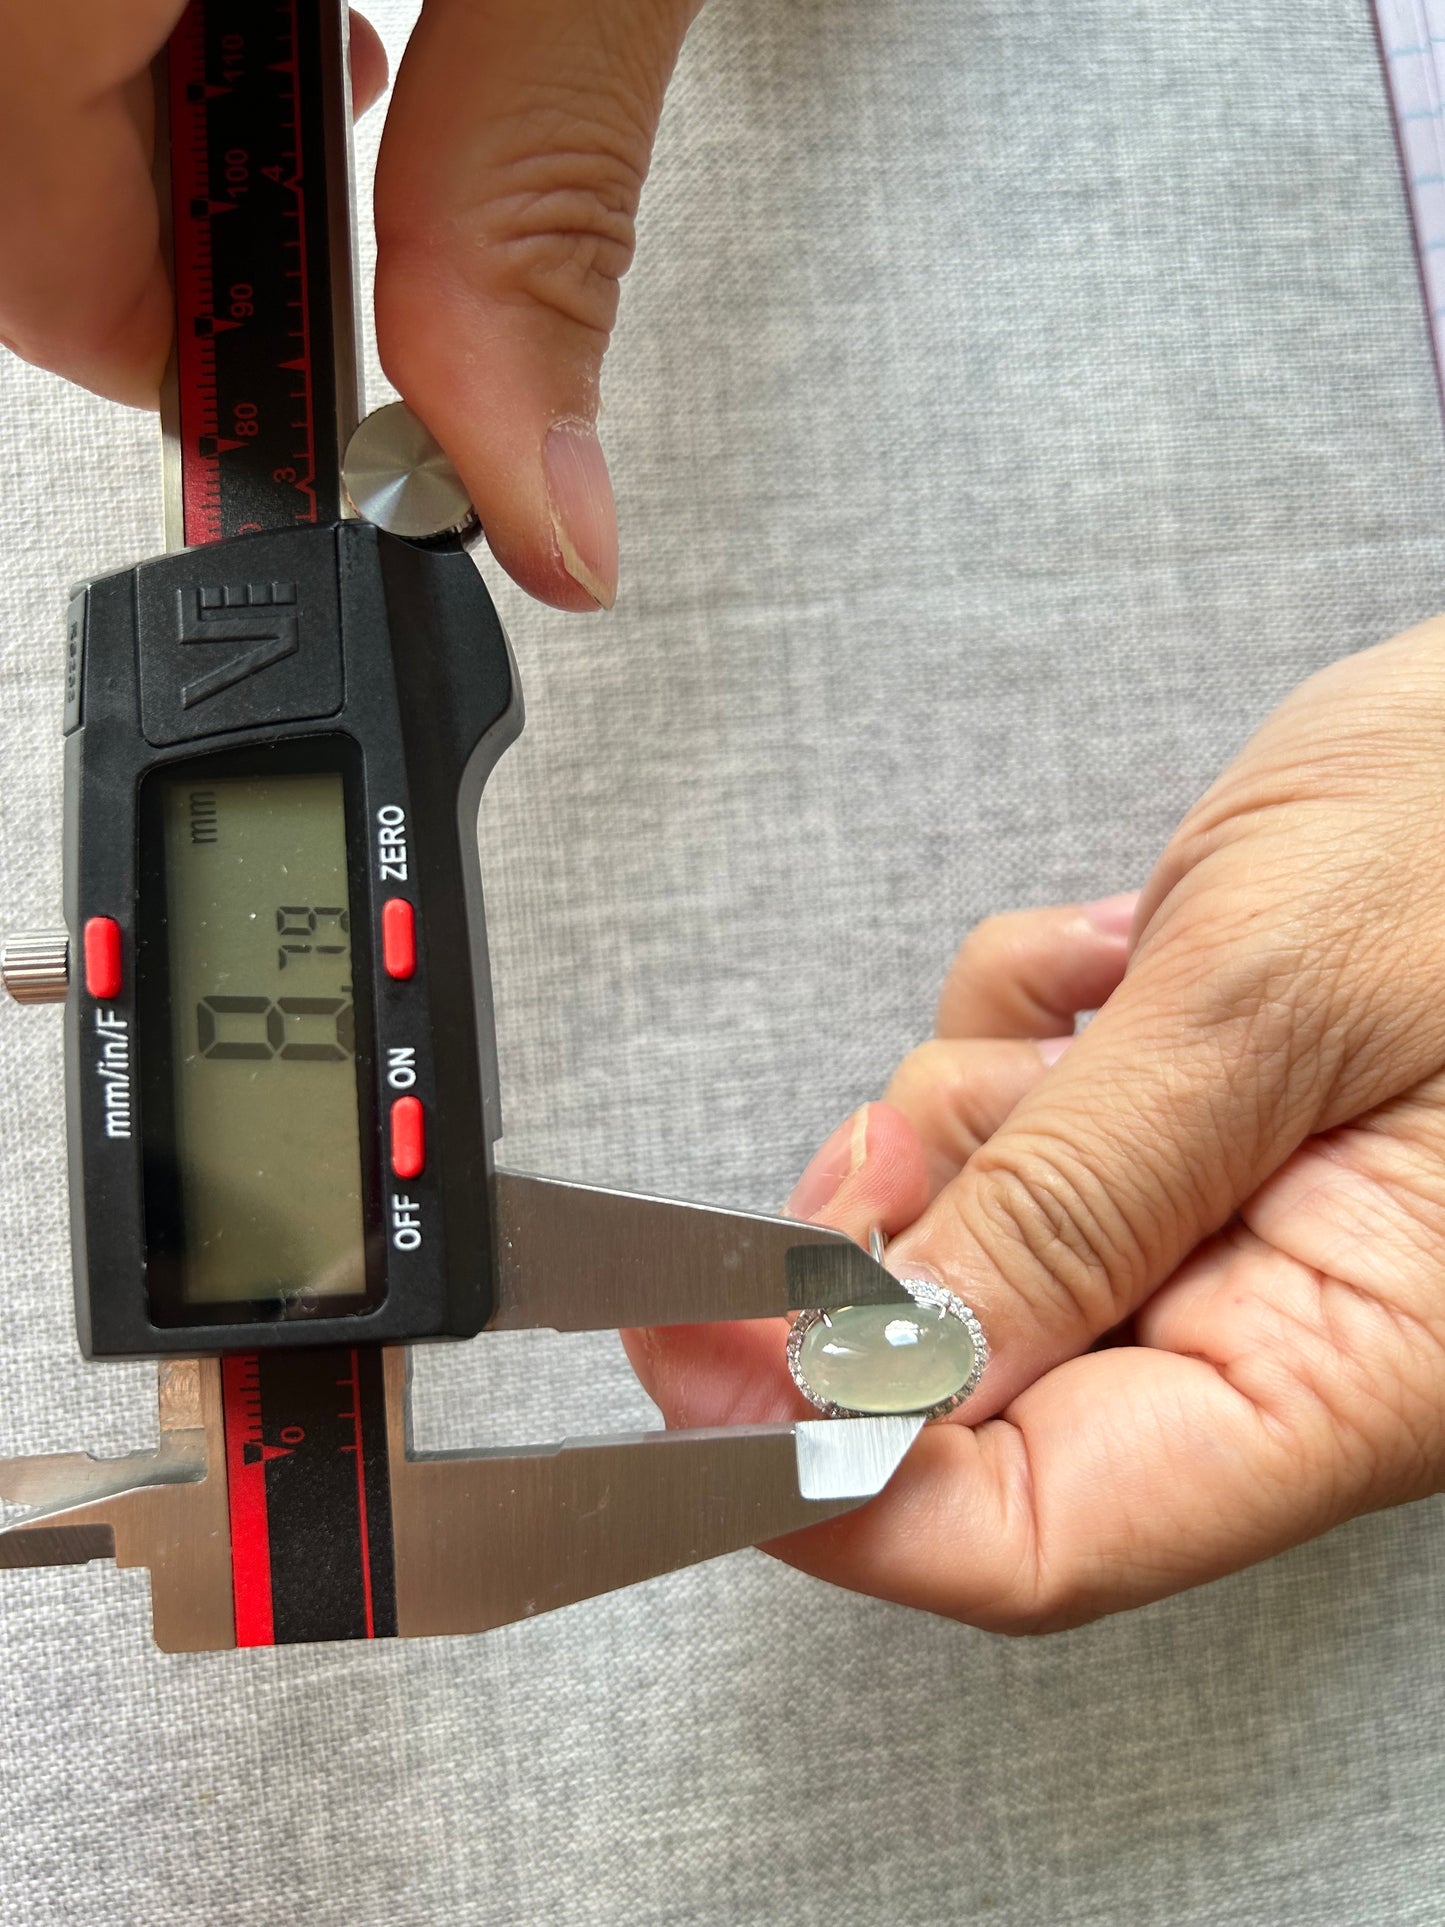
<point>1011,403</point>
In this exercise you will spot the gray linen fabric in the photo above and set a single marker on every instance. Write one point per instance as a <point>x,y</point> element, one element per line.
<point>1012,402</point>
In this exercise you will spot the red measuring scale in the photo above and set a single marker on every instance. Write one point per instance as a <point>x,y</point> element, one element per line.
<point>262,397</point>
<point>255,408</point>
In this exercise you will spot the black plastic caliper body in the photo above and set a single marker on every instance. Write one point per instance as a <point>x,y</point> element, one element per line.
<point>280,1060</point>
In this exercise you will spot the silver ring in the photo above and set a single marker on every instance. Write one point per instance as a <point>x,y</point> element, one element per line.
<point>923,1291</point>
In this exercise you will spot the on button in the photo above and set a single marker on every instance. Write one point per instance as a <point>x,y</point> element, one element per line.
<point>408,1137</point>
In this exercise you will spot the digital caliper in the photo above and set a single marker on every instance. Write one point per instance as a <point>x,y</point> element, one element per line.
<point>281,1081</point>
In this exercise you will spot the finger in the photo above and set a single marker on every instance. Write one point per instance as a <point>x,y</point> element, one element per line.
<point>1021,975</point>
<point>1132,1473</point>
<point>872,1172</point>
<point>1274,1400</point>
<point>883,1181</point>
<point>1119,1478</point>
<point>1029,972</point>
<point>82,288</point>
<point>956,1092</point>
<point>1103,1178</point>
<point>1276,989</point>
<point>368,65</point>
<point>518,139</point>
<point>1366,1205</point>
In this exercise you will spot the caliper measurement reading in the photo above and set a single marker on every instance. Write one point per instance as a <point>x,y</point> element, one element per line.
<point>257,1028</point>
<point>264,1127</point>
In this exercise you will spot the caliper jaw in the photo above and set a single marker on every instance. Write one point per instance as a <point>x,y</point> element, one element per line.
<point>480,1539</point>
<point>486,1538</point>
<point>164,1509</point>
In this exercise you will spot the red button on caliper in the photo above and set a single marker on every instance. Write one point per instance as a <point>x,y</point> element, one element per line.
<point>102,958</point>
<point>398,938</point>
<point>408,1137</point>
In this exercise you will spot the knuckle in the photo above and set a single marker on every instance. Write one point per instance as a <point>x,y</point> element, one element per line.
<point>1055,1235</point>
<point>1038,1587</point>
<point>986,945</point>
<point>1008,959</point>
<point>1265,999</point>
<point>564,248</point>
<point>916,1076</point>
<point>933,1088</point>
<point>1061,1610</point>
<point>550,219</point>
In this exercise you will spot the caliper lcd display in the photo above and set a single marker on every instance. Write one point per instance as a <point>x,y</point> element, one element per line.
<point>255,1179</point>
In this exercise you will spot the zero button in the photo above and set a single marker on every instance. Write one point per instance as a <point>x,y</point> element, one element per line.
<point>398,938</point>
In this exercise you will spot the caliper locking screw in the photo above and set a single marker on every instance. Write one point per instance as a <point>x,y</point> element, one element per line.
<point>395,475</point>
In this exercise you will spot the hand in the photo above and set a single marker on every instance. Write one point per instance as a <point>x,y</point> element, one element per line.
<point>515,150</point>
<point>1207,1242</point>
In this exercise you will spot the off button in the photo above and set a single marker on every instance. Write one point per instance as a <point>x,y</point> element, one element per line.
<point>408,1137</point>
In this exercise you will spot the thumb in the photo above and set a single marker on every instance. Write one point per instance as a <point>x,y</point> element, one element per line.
<point>1103,1178</point>
<point>1283,981</point>
<point>507,189</point>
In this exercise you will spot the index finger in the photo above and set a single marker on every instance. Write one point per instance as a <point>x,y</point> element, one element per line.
<point>1027,973</point>
<point>82,287</point>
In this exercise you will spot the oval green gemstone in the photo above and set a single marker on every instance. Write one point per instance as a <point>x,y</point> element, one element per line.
<point>887,1358</point>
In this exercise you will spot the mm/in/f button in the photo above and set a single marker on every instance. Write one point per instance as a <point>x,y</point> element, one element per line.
<point>100,946</point>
